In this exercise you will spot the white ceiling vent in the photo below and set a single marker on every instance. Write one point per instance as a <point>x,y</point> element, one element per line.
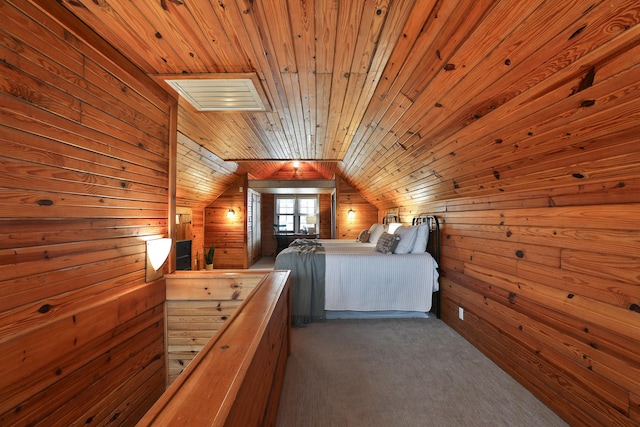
<point>219,93</point>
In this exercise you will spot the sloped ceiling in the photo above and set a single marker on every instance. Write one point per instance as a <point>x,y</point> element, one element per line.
<point>410,101</point>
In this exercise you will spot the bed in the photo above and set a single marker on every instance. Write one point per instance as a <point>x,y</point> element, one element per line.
<point>331,278</point>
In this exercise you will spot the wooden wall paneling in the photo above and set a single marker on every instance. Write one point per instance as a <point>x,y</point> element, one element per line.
<point>576,349</point>
<point>198,242</point>
<point>612,348</point>
<point>634,400</point>
<point>468,70</point>
<point>99,400</point>
<point>85,181</point>
<point>516,123</point>
<point>72,328</point>
<point>184,223</point>
<point>591,395</point>
<point>228,235</point>
<point>325,218</point>
<point>201,174</point>
<point>305,171</point>
<point>269,244</point>
<point>547,344</point>
<point>543,297</point>
<point>503,353</point>
<point>172,155</point>
<point>68,380</point>
<point>136,346</point>
<point>365,213</point>
<point>87,45</point>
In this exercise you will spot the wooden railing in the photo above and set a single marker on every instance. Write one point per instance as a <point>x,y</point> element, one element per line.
<point>237,378</point>
<point>198,303</point>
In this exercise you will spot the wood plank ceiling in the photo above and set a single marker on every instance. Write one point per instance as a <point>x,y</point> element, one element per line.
<point>410,100</point>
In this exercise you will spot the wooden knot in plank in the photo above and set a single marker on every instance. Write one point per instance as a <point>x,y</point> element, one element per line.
<point>578,31</point>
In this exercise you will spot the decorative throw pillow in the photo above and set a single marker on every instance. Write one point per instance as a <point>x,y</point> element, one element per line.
<point>387,243</point>
<point>407,239</point>
<point>363,237</point>
<point>422,238</point>
<point>375,232</point>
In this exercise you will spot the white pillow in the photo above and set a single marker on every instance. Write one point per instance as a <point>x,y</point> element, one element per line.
<point>422,238</point>
<point>407,239</point>
<point>375,231</point>
<point>392,227</point>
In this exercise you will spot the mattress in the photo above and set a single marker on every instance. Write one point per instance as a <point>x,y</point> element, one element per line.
<point>358,278</point>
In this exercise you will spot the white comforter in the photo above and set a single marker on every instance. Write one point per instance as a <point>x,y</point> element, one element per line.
<point>360,279</point>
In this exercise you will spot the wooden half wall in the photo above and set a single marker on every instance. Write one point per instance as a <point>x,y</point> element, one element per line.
<point>84,181</point>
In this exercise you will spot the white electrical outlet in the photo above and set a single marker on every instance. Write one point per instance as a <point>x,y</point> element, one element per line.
<point>461,313</point>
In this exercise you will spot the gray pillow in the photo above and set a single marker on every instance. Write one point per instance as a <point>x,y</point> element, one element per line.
<point>363,237</point>
<point>387,243</point>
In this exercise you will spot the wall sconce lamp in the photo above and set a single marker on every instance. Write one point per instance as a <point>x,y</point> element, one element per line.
<point>231,214</point>
<point>351,214</point>
<point>157,253</point>
<point>296,165</point>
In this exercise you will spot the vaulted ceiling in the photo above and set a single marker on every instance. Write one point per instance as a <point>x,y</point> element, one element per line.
<point>409,100</point>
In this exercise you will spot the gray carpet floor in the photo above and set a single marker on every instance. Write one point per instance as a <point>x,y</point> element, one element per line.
<point>399,372</point>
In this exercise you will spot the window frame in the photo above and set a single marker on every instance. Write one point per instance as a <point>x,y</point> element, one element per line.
<point>298,214</point>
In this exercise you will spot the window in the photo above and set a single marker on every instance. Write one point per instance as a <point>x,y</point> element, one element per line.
<point>296,214</point>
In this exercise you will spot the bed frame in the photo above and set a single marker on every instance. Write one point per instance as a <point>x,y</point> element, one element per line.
<point>433,247</point>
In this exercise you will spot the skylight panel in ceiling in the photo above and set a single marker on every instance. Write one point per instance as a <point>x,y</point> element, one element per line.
<point>220,94</point>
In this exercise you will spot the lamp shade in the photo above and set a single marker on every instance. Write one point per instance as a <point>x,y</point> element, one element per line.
<point>158,251</point>
<point>311,219</point>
